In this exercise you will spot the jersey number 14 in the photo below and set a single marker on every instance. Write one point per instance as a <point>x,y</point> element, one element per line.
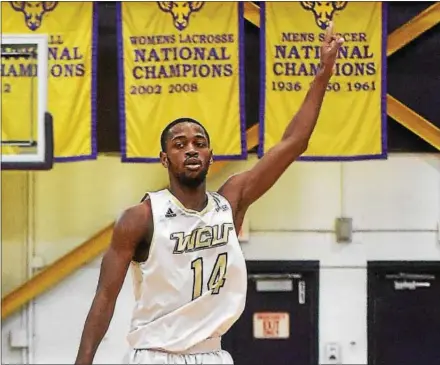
<point>216,279</point>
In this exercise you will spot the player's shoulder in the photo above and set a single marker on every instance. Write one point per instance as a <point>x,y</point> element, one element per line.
<point>137,213</point>
<point>154,194</point>
<point>216,196</point>
<point>232,182</point>
<point>133,224</point>
<point>231,188</point>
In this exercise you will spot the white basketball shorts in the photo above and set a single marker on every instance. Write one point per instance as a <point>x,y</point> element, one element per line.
<point>139,357</point>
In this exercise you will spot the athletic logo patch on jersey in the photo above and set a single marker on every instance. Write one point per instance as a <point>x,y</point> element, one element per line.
<point>224,208</point>
<point>170,213</point>
<point>217,201</point>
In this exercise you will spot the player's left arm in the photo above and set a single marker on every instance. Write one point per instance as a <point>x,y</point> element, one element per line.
<point>245,188</point>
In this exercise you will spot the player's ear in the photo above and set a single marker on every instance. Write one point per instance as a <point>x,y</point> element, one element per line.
<point>210,157</point>
<point>163,159</point>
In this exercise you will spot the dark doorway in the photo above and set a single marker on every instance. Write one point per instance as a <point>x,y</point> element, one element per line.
<point>403,313</point>
<point>280,322</point>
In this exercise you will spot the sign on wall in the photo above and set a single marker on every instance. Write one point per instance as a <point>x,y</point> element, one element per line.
<point>269,325</point>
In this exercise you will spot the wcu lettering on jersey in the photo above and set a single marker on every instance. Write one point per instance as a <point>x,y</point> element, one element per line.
<point>202,238</point>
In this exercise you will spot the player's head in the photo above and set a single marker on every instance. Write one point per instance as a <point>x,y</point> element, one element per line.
<point>186,151</point>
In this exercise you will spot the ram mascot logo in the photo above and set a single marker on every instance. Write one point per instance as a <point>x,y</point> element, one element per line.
<point>180,11</point>
<point>323,10</point>
<point>33,11</point>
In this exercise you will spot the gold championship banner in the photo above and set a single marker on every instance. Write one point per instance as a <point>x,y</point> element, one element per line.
<point>72,31</point>
<point>181,59</point>
<point>352,123</point>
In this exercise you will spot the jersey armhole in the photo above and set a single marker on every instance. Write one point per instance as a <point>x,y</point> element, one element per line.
<point>151,244</point>
<point>145,197</point>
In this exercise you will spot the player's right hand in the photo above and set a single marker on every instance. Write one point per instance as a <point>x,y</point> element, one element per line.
<point>329,49</point>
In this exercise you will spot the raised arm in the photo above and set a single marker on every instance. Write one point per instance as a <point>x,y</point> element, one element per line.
<point>130,229</point>
<point>245,188</point>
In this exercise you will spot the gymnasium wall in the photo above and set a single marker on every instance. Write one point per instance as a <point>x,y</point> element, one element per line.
<point>65,206</point>
<point>47,214</point>
<point>14,200</point>
<point>395,206</point>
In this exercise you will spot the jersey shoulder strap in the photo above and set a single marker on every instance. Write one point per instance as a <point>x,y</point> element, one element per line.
<point>221,204</point>
<point>159,203</point>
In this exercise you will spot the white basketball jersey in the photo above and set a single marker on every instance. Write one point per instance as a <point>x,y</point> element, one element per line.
<point>193,285</point>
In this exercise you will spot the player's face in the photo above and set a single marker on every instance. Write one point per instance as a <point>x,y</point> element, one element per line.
<point>188,155</point>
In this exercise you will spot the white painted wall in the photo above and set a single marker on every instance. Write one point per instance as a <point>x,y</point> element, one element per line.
<point>395,206</point>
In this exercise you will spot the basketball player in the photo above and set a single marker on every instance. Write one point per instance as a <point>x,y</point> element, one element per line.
<point>188,270</point>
